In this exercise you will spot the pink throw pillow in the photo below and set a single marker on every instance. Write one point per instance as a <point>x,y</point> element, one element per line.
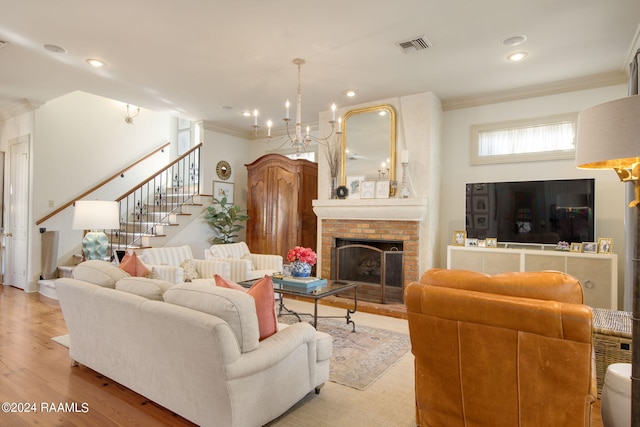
<point>262,293</point>
<point>224,283</point>
<point>132,265</point>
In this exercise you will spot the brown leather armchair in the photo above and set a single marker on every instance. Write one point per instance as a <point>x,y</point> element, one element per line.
<point>512,349</point>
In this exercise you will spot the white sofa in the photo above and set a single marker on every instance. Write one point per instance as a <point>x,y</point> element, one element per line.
<point>210,369</point>
<point>244,264</point>
<point>169,263</point>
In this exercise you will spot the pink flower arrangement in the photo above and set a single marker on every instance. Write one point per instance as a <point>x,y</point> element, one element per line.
<point>302,255</point>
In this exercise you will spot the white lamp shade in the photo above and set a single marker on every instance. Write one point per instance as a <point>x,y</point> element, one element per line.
<point>96,215</point>
<point>572,201</point>
<point>608,135</point>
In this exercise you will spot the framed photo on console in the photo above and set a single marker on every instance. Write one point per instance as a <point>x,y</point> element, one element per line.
<point>575,247</point>
<point>590,247</point>
<point>605,245</point>
<point>459,237</point>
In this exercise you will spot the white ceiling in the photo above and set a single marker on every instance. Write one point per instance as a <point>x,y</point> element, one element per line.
<point>192,58</point>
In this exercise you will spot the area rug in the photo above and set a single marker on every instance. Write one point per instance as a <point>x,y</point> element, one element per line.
<point>360,358</point>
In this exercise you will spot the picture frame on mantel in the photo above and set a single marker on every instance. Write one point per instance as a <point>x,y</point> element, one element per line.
<point>353,185</point>
<point>367,189</point>
<point>382,189</point>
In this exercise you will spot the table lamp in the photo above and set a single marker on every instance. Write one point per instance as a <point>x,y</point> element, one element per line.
<point>608,137</point>
<point>95,216</point>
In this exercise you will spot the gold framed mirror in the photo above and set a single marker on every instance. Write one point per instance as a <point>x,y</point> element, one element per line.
<point>369,144</point>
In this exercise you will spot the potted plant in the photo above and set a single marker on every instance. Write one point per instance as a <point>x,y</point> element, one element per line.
<point>225,218</point>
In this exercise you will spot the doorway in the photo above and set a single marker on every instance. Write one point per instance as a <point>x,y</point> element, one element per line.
<point>16,233</point>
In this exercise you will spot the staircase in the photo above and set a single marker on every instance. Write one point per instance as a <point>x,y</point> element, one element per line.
<point>154,211</point>
<point>151,213</point>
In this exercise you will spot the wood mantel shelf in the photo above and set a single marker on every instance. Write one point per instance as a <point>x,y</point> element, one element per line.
<point>411,209</point>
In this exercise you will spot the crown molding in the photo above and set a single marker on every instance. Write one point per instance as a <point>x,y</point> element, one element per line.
<point>19,107</point>
<point>534,91</point>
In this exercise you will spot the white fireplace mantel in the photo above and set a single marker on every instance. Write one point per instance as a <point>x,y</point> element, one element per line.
<point>411,209</point>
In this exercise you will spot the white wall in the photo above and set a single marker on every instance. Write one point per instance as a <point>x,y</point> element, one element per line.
<point>456,171</point>
<point>80,140</point>
<point>217,146</point>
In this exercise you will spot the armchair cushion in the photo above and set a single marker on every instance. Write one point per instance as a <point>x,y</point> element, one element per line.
<point>174,255</point>
<point>168,263</point>
<point>244,264</point>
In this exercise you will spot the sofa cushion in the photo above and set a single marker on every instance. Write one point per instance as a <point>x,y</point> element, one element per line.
<point>263,295</point>
<point>99,273</point>
<point>145,287</point>
<point>238,309</point>
<point>132,265</point>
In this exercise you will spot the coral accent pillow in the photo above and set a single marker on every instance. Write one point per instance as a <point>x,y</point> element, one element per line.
<point>132,265</point>
<point>262,293</point>
<point>224,283</point>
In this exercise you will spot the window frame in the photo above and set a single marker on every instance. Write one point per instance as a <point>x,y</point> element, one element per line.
<point>476,159</point>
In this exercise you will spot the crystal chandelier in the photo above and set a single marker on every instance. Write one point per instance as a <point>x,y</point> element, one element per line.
<point>297,140</point>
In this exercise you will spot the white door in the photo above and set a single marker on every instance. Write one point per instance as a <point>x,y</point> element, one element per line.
<point>17,243</point>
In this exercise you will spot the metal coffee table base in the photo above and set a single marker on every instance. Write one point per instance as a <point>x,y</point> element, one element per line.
<point>317,296</point>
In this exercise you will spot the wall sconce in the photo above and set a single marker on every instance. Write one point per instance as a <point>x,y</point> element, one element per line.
<point>129,118</point>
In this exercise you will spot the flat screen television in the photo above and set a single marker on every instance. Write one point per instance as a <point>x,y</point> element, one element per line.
<point>543,212</point>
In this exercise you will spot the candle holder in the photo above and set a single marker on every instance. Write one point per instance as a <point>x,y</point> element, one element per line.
<point>404,192</point>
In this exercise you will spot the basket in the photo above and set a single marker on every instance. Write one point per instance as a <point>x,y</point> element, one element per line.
<point>611,340</point>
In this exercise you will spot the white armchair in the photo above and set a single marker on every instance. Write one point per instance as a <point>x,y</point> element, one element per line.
<point>244,264</point>
<point>169,264</point>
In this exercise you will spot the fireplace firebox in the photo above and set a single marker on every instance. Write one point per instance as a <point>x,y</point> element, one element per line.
<point>376,265</point>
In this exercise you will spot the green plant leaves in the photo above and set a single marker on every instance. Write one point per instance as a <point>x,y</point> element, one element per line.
<point>225,219</point>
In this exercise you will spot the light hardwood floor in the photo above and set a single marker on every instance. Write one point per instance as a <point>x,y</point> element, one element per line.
<point>36,370</point>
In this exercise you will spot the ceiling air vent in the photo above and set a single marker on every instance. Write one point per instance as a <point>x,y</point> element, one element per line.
<point>415,44</point>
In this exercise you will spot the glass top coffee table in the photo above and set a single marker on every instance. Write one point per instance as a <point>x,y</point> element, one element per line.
<point>332,287</point>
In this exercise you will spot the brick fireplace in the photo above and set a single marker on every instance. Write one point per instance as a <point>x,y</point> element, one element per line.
<point>399,220</point>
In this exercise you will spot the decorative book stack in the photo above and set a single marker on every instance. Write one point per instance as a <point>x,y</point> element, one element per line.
<point>304,283</point>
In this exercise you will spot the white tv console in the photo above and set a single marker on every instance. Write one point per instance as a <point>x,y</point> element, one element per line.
<point>598,273</point>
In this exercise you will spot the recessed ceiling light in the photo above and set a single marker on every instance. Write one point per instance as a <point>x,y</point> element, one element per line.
<point>247,113</point>
<point>226,107</point>
<point>55,49</point>
<point>518,56</point>
<point>350,93</point>
<point>96,62</point>
<point>514,41</point>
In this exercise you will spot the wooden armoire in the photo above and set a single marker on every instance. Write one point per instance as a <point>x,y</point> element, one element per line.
<point>279,204</point>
